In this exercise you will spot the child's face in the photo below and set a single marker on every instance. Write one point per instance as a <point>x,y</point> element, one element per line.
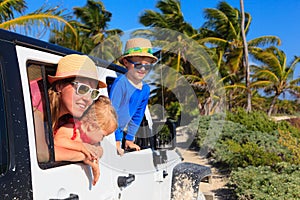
<point>96,134</point>
<point>137,75</point>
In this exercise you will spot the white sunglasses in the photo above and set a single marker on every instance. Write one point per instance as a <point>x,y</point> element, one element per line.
<point>83,89</point>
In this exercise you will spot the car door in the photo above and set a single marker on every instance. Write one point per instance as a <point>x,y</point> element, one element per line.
<point>55,180</point>
<point>15,176</point>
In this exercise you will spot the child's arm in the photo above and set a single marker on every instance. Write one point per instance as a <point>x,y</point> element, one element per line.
<point>139,112</point>
<point>95,169</point>
<point>120,151</point>
<point>97,150</point>
<point>135,122</point>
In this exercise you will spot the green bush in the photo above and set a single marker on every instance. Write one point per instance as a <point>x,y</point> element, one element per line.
<point>238,147</point>
<point>259,121</point>
<point>164,134</point>
<point>263,183</point>
<point>243,155</point>
<point>208,129</point>
<point>173,110</point>
<point>259,152</point>
<point>234,145</point>
<point>255,121</point>
<point>292,143</point>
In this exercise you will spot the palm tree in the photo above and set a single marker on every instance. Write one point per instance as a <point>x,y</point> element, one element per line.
<point>275,76</point>
<point>175,37</point>
<point>94,18</point>
<point>245,58</point>
<point>40,20</point>
<point>171,20</point>
<point>7,8</point>
<point>171,17</point>
<point>91,28</point>
<point>222,31</point>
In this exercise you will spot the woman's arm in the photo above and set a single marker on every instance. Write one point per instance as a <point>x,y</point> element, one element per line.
<point>63,154</point>
<point>62,139</point>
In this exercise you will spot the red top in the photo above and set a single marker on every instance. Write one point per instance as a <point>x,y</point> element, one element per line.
<point>76,126</point>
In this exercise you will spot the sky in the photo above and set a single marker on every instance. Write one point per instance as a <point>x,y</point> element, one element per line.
<point>269,17</point>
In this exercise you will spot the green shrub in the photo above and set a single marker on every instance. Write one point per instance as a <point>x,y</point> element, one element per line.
<point>255,121</point>
<point>243,155</point>
<point>259,121</point>
<point>292,143</point>
<point>261,153</point>
<point>208,129</point>
<point>173,110</point>
<point>239,147</point>
<point>164,134</point>
<point>263,183</point>
<point>234,145</point>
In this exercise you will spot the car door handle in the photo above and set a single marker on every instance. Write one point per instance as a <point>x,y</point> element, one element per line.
<point>124,181</point>
<point>71,197</point>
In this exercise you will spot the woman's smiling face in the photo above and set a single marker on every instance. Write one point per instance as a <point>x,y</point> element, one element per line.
<point>73,103</point>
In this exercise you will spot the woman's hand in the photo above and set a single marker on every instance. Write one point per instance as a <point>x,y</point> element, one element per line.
<point>89,155</point>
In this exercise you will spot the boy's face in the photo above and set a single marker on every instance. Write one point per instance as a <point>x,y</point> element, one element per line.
<point>137,75</point>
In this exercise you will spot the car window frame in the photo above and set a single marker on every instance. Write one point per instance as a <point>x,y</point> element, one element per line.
<point>4,148</point>
<point>46,69</point>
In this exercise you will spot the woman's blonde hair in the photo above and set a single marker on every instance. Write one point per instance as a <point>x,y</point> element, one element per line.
<point>101,115</point>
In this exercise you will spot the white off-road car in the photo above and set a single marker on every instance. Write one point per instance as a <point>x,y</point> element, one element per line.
<point>152,173</point>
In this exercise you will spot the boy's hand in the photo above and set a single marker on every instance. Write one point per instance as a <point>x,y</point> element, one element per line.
<point>131,145</point>
<point>120,151</point>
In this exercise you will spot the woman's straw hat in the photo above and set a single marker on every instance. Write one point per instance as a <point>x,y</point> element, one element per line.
<point>75,65</point>
<point>138,47</point>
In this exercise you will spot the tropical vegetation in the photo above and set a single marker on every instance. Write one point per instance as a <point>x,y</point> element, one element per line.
<point>261,155</point>
<point>37,23</point>
<point>90,23</point>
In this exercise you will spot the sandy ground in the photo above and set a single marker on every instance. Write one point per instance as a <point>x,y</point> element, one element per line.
<point>216,189</point>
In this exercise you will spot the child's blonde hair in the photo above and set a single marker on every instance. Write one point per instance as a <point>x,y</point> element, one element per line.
<point>101,115</point>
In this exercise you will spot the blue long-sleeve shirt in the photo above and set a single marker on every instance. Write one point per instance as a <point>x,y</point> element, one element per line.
<point>130,104</point>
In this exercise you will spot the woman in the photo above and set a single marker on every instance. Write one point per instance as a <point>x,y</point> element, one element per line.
<point>73,89</point>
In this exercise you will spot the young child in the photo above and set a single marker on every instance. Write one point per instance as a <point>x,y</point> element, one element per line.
<point>84,136</point>
<point>129,93</point>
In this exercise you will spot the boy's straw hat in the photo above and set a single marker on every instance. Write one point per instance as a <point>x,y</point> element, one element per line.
<point>75,65</point>
<point>138,47</point>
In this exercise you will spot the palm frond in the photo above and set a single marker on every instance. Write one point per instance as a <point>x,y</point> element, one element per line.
<point>8,7</point>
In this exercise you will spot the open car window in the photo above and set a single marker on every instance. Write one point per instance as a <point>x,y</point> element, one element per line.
<point>37,78</point>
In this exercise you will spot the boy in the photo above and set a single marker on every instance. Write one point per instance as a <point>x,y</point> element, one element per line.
<point>129,93</point>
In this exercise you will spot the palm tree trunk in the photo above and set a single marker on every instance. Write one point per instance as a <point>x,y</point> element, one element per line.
<point>245,62</point>
<point>230,106</point>
<point>177,68</point>
<point>272,104</point>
